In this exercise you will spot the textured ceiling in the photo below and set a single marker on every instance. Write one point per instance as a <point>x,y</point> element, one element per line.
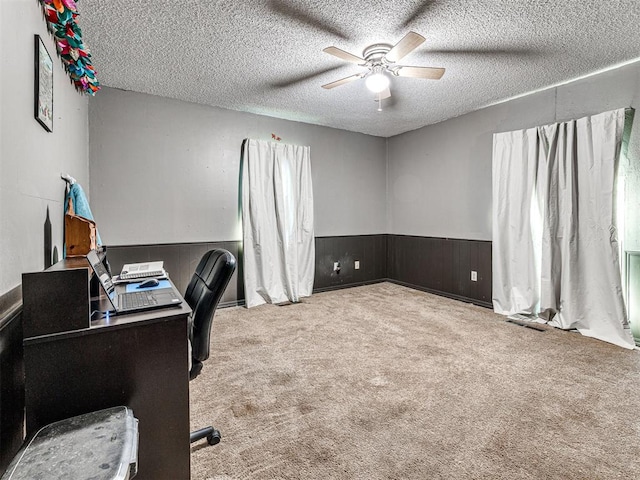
<point>265,56</point>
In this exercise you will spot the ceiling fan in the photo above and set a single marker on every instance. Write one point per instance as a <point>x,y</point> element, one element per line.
<point>380,59</point>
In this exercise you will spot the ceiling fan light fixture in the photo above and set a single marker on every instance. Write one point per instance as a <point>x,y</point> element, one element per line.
<point>377,82</point>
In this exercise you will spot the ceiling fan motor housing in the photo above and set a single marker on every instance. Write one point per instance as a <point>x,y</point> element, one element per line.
<point>374,54</point>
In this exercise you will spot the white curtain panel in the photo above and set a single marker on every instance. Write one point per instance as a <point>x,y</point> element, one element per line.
<point>568,190</point>
<point>277,222</point>
<point>516,257</point>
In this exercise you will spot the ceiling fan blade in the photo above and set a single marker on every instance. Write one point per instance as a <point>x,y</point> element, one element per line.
<point>431,73</point>
<point>342,81</point>
<point>342,55</point>
<point>409,43</point>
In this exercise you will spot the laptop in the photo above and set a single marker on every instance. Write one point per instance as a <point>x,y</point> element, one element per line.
<point>134,300</point>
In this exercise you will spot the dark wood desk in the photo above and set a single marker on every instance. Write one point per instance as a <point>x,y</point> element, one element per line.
<point>138,360</point>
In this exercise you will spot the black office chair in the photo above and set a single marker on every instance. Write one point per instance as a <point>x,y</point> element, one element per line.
<point>203,294</point>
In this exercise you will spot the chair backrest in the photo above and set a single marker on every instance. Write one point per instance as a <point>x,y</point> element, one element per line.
<point>203,294</point>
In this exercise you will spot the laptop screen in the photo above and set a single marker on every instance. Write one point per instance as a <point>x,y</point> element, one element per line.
<point>103,276</point>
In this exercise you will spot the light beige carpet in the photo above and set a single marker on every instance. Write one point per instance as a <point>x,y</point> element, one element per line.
<point>385,382</point>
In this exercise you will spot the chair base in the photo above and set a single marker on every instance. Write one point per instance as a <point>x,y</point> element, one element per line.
<point>196,368</point>
<point>211,434</point>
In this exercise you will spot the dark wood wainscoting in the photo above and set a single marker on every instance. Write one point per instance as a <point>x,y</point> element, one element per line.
<point>437,265</point>
<point>442,266</point>
<point>369,250</point>
<point>180,260</point>
<point>11,376</point>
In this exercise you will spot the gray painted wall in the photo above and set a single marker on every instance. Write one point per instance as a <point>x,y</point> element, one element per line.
<point>180,161</point>
<point>439,180</point>
<point>32,159</point>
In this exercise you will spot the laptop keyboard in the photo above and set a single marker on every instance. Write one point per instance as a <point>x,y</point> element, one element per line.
<point>136,300</point>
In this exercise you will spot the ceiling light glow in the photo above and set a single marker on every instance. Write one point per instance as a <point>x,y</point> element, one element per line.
<point>377,82</point>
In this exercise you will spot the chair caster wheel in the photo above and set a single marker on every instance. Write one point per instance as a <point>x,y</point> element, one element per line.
<point>214,438</point>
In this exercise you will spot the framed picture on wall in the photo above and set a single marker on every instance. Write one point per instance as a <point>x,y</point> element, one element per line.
<point>43,85</point>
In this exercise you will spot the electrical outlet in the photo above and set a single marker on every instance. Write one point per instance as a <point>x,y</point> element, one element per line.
<point>474,276</point>
<point>357,265</point>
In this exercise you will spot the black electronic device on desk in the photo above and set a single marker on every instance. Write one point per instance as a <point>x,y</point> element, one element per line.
<point>152,282</point>
<point>125,299</point>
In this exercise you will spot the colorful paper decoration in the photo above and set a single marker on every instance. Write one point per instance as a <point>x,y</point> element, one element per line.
<point>61,16</point>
